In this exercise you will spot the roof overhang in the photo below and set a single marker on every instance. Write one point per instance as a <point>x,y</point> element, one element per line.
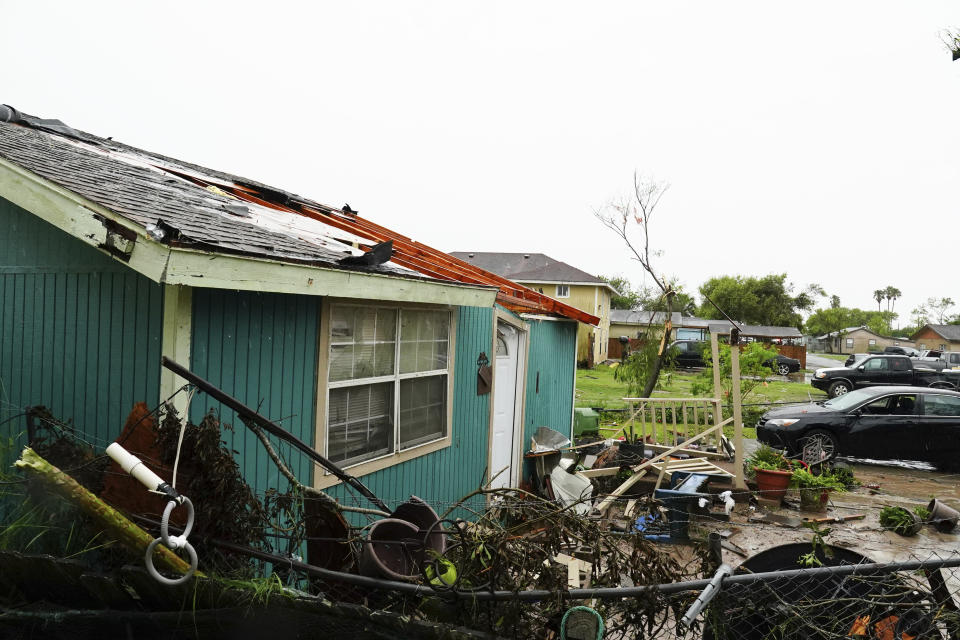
<point>602,285</point>
<point>130,244</point>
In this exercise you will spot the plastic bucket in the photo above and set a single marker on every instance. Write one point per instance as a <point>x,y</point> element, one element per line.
<point>944,518</point>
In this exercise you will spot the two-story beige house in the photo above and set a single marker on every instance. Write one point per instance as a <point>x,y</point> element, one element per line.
<point>558,280</point>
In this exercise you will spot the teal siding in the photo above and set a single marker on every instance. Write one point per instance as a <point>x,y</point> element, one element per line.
<point>79,332</point>
<point>552,356</point>
<point>261,348</point>
<point>444,476</point>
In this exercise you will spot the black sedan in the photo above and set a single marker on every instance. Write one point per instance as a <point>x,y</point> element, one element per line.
<point>690,353</point>
<point>892,423</point>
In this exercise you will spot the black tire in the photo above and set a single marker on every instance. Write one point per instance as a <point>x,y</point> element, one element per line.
<point>817,446</point>
<point>783,369</point>
<point>839,388</point>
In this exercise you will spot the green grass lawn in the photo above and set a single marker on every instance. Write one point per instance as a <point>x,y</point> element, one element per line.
<point>832,356</point>
<point>597,388</point>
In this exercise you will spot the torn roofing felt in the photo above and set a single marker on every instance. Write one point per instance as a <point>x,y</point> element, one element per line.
<point>186,205</point>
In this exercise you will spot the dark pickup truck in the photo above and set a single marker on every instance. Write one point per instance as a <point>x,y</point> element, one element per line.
<point>881,370</point>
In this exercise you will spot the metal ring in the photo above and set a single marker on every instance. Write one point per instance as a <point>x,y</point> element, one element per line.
<point>165,521</point>
<point>148,561</point>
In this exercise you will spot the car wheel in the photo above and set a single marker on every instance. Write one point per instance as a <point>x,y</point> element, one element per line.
<point>817,446</point>
<point>783,369</point>
<point>839,388</point>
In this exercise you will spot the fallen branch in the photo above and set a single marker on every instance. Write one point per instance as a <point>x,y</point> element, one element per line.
<point>308,491</point>
<point>115,524</point>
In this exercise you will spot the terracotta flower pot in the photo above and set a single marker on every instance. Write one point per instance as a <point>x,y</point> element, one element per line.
<point>772,484</point>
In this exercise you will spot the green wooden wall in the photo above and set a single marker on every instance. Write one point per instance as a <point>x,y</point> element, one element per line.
<point>261,348</point>
<point>444,476</point>
<point>79,332</point>
<point>552,356</point>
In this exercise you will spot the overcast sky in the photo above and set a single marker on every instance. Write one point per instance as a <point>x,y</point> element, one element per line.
<point>818,139</point>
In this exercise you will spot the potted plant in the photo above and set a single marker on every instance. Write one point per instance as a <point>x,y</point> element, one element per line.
<point>900,520</point>
<point>771,470</point>
<point>815,489</point>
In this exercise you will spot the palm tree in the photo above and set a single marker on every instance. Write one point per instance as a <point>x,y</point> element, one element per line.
<point>891,294</point>
<point>878,295</point>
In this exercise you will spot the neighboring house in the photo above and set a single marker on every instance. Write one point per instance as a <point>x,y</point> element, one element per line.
<point>945,337</point>
<point>112,256</point>
<point>855,340</point>
<point>633,324</point>
<point>561,281</point>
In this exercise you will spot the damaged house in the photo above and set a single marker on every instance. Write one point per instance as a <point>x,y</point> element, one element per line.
<point>415,371</point>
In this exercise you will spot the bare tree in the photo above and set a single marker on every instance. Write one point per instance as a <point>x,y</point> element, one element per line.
<point>629,218</point>
<point>939,308</point>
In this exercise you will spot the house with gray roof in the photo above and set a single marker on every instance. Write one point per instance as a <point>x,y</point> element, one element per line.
<point>945,337</point>
<point>561,281</point>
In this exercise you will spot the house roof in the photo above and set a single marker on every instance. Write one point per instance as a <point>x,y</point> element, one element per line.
<point>183,205</point>
<point>755,331</point>
<point>834,334</point>
<point>625,316</point>
<point>949,332</point>
<point>530,267</point>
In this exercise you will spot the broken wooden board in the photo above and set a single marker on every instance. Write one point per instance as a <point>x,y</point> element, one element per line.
<point>600,473</point>
<point>693,453</point>
<point>574,567</point>
<point>697,465</point>
<point>632,480</point>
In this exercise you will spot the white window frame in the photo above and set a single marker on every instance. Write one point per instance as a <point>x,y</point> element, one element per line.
<point>872,342</point>
<point>565,289</point>
<point>849,342</point>
<point>397,456</point>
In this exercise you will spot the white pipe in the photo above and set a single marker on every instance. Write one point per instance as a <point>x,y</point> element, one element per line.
<point>135,467</point>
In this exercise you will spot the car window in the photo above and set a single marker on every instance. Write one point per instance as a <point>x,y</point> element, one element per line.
<point>875,364</point>
<point>903,405</point>
<point>899,364</point>
<point>953,359</point>
<point>879,407</point>
<point>848,400</point>
<point>936,405</point>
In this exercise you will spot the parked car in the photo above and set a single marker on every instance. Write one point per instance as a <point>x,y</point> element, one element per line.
<point>903,423</point>
<point>902,351</point>
<point>689,353</point>
<point>941,359</point>
<point>882,370</point>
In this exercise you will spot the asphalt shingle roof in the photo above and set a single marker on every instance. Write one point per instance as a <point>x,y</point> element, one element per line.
<point>146,188</point>
<point>526,267</point>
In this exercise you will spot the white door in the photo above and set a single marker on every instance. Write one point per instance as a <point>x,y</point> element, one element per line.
<point>504,458</point>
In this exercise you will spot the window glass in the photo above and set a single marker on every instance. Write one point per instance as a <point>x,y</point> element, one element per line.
<point>899,364</point>
<point>905,405</point>
<point>871,341</point>
<point>876,364</point>
<point>423,413</point>
<point>563,291</point>
<point>380,403</point>
<point>360,423</point>
<point>362,342</point>
<point>937,405</point>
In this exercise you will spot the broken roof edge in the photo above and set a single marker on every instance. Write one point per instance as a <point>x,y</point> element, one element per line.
<point>105,230</point>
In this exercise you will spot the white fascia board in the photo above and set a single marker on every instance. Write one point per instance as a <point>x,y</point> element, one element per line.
<point>84,220</point>
<point>602,285</point>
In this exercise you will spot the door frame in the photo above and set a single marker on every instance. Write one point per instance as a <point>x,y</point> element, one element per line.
<point>519,409</point>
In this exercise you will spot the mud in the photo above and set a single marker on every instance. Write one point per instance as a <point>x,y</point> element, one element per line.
<point>898,484</point>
